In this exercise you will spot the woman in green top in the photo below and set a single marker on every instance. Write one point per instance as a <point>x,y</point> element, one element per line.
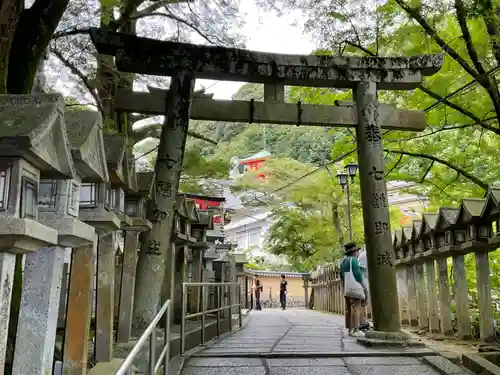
<point>353,305</point>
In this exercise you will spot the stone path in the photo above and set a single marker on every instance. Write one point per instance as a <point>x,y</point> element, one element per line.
<point>300,342</point>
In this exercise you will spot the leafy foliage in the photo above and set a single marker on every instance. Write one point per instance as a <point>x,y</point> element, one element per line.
<point>309,208</point>
<point>455,156</point>
<point>304,143</point>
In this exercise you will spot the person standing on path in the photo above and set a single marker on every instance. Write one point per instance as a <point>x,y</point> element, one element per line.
<point>353,305</point>
<point>283,286</point>
<point>258,289</point>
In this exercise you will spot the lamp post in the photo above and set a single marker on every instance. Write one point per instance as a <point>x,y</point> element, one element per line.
<point>343,179</point>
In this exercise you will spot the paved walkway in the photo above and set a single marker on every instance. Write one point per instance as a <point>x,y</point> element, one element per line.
<point>300,342</point>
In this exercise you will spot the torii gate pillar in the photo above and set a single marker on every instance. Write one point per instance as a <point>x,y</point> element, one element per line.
<point>376,221</point>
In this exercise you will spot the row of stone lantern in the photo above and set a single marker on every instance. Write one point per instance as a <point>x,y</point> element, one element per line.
<point>64,184</point>
<point>473,227</point>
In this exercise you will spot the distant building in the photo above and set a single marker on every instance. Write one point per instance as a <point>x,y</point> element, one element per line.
<point>251,163</point>
<point>249,227</point>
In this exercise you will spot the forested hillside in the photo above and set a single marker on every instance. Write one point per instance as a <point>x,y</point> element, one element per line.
<point>306,144</point>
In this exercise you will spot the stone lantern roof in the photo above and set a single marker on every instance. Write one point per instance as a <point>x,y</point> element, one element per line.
<point>428,222</point>
<point>87,145</point>
<point>492,203</point>
<point>470,209</point>
<point>33,128</point>
<point>447,217</point>
<point>114,145</point>
<point>145,182</point>
<point>192,212</point>
<point>129,172</point>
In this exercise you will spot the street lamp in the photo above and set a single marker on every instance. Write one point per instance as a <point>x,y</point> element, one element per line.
<point>351,169</point>
<point>343,178</point>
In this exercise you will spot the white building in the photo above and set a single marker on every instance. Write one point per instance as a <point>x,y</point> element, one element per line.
<point>249,227</point>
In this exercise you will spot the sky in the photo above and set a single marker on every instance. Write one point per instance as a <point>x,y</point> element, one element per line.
<point>266,32</point>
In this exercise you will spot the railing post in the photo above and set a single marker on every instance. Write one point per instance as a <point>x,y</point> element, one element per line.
<point>167,340</point>
<point>152,352</point>
<point>239,306</point>
<point>230,308</point>
<point>218,304</point>
<point>203,309</point>
<point>183,319</point>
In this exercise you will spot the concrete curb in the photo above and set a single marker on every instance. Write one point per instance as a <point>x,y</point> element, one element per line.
<point>445,366</point>
<point>480,365</point>
<point>420,353</point>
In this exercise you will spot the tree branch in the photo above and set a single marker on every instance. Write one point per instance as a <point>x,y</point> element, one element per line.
<point>458,169</point>
<point>360,47</point>
<point>154,130</point>
<point>463,126</point>
<point>438,97</point>
<point>128,11</point>
<point>86,82</point>
<point>33,33</point>
<point>395,165</point>
<point>180,20</point>
<point>70,32</point>
<point>415,14</point>
<point>460,109</point>
<point>486,81</point>
<point>462,21</point>
<point>427,171</point>
<point>491,21</point>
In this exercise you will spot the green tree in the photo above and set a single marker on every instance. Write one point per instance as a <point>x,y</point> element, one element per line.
<point>456,155</point>
<point>305,143</point>
<point>309,208</point>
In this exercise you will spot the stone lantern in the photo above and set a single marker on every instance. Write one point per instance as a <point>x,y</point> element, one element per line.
<point>418,250</point>
<point>136,210</point>
<point>408,249</point>
<point>33,145</point>
<point>136,202</point>
<point>181,240</point>
<point>87,148</point>
<point>119,176</point>
<point>427,237</point>
<point>396,245</point>
<point>96,209</point>
<point>59,199</point>
<point>491,213</point>
<point>447,238</point>
<point>477,230</point>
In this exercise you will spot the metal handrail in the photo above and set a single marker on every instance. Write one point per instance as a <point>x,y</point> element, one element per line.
<point>150,333</point>
<point>220,307</point>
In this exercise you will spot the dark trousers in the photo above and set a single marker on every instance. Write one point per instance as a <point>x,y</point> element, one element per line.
<point>283,299</point>
<point>257,301</point>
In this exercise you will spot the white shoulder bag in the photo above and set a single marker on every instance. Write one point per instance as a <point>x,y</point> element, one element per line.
<point>352,288</point>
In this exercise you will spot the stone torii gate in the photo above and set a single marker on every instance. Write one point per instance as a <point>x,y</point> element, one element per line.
<point>186,62</point>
